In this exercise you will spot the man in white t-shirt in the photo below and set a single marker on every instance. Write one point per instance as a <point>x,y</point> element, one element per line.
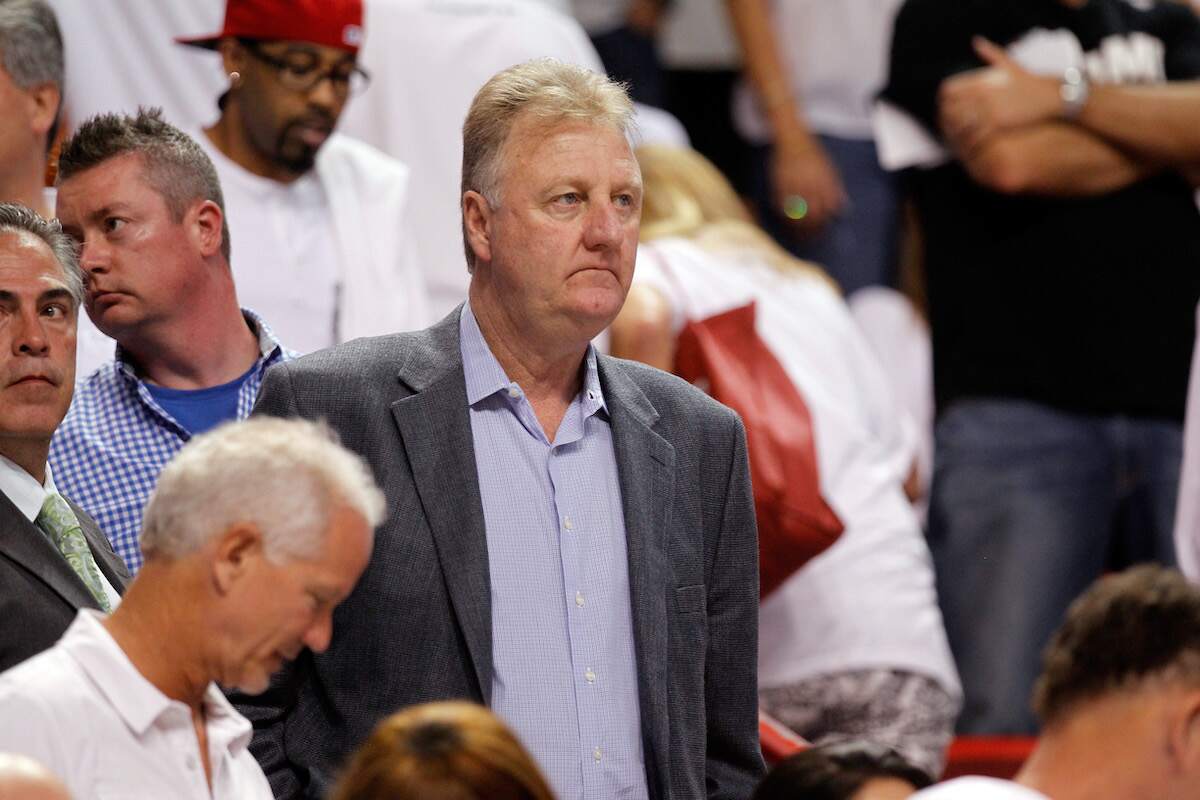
<point>1118,697</point>
<point>256,532</point>
<point>324,249</point>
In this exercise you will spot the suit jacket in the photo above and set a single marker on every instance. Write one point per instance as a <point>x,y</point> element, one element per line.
<point>418,625</point>
<point>39,592</point>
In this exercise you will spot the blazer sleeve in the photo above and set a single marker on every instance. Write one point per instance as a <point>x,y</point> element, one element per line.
<point>734,762</point>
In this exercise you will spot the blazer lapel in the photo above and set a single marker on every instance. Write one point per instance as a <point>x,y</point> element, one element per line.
<point>25,544</point>
<point>435,427</point>
<point>646,470</point>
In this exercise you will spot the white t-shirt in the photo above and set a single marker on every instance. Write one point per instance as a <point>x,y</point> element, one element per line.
<point>869,600</point>
<point>83,710</point>
<point>285,263</point>
<point>428,58</point>
<point>978,788</point>
<point>836,56</point>
<point>1187,513</point>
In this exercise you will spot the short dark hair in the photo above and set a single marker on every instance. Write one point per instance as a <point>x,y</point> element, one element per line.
<point>1127,628</point>
<point>31,46</point>
<point>172,162</point>
<point>836,771</point>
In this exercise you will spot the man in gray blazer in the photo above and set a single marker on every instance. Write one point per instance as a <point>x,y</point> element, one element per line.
<point>53,558</point>
<point>571,537</point>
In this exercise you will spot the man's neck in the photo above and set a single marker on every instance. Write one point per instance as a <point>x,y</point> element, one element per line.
<point>228,136</point>
<point>547,368</point>
<point>210,347</point>
<point>154,610</point>
<point>26,184</point>
<point>28,454</point>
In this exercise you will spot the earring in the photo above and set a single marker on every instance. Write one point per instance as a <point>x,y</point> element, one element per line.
<point>235,78</point>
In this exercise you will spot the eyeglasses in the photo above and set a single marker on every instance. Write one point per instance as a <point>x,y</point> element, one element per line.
<point>346,78</point>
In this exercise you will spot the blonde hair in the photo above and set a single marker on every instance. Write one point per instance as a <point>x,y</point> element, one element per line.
<point>442,751</point>
<point>685,195</point>
<point>554,92</point>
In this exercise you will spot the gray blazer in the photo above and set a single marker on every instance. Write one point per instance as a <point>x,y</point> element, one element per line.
<point>418,626</point>
<point>39,592</point>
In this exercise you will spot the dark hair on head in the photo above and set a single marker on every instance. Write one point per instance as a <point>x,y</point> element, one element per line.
<point>1128,628</point>
<point>442,751</point>
<point>172,162</point>
<point>31,49</point>
<point>836,772</point>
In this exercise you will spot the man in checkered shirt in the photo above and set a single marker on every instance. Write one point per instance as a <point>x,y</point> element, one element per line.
<point>144,203</point>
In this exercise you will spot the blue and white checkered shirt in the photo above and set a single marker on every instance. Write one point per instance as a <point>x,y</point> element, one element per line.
<point>115,440</point>
<point>564,672</point>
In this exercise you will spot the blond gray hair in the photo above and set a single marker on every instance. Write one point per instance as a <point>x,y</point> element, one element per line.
<point>285,477</point>
<point>20,219</point>
<point>552,91</point>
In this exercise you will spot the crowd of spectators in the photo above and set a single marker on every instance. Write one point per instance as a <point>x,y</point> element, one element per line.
<point>490,548</point>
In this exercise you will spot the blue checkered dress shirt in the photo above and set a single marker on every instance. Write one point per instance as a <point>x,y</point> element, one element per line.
<point>115,439</point>
<point>564,667</point>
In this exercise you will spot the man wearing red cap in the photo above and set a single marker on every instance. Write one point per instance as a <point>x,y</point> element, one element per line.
<point>323,248</point>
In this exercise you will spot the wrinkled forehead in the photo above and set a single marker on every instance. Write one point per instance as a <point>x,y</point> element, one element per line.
<point>25,257</point>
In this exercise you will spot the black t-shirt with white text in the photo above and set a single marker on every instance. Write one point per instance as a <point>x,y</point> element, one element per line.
<point>1082,303</point>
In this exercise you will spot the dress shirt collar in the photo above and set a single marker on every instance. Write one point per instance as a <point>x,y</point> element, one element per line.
<point>268,346</point>
<point>23,489</point>
<point>138,701</point>
<point>484,375</point>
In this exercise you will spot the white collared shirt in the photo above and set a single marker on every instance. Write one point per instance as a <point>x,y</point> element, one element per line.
<point>82,709</point>
<point>28,496</point>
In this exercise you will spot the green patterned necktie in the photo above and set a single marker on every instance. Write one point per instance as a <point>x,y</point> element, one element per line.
<point>59,522</point>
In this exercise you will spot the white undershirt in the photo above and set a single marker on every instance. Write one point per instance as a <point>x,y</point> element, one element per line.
<point>28,496</point>
<point>978,788</point>
<point>869,600</point>
<point>284,254</point>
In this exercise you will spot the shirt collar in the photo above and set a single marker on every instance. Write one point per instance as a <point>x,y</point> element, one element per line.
<point>269,347</point>
<point>484,375</point>
<point>135,699</point>
<point>23,489</point>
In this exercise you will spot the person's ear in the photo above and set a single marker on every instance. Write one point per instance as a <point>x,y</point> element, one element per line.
<point>46,99</point>
<point>204,223</point>
<point>233,56</point>
<point>1184,736</point>
<point>477,220</point>
<point>237,551</point>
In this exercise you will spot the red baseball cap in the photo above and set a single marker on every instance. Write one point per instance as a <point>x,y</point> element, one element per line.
<point>334,23</point>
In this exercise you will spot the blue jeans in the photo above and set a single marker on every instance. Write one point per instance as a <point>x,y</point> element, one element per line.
<point>1028,505</point>
<point>858,248</point>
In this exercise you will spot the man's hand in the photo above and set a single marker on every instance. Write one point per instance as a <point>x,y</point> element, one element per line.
<point>976,105</point>
<point>808,188</point>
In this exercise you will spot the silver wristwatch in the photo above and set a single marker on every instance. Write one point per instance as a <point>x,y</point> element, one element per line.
<point>1074,91</point>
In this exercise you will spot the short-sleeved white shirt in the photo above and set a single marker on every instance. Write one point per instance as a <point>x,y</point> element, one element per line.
<point>83,710</point>
<point>869,600</point>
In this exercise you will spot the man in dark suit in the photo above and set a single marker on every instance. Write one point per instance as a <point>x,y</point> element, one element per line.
<point>571,537</point>
<point>53,559</point>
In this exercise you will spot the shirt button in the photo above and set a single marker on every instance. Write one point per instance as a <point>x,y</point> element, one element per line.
<point>597,754</point>
<point>589,676</point>
<point>568,524</point>
<point>579,599</point>
<point>191,762</point>
<point>514,390</point>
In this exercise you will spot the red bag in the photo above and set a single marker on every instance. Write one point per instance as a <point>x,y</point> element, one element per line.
<point>725,356</point>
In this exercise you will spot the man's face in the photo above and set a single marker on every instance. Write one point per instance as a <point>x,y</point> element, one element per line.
<point>22,128</point>
<point>37,337</point>
<point>284,119</point>
<point>562,244</point>
<point>283,608</point>
<point>140,263</point>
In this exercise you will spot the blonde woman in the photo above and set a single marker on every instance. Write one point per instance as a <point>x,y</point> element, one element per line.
<point>442,751</point>
<point>852,645</point>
